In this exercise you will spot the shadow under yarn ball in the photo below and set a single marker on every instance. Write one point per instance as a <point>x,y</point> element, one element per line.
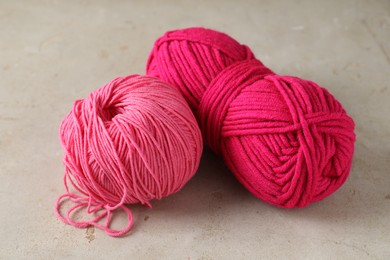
<point>131,141</point>
<point>286,139</point>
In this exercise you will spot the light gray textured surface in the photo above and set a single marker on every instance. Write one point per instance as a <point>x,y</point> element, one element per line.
<point>52,52</point>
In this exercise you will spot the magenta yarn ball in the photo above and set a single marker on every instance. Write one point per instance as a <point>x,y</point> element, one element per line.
<point>286,139</point>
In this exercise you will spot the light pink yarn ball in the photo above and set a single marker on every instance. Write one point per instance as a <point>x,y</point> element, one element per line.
<point>130,141</point>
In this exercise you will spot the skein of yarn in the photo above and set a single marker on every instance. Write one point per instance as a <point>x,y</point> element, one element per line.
<point>130,141</point>
<point>287,140</point>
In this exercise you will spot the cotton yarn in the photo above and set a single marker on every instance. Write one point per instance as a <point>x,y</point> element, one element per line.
<point>286,139</point>
<point>130,141</point>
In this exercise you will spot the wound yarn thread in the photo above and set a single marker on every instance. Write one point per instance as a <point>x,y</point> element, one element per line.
<point>286,139</point>
<point>133,140</point>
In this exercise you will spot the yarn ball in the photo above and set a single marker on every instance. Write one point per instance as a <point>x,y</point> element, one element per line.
<point>131,141</point>
<point>286,139</point>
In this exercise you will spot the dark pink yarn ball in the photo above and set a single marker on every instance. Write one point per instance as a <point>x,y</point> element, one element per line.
<point>286,139</point>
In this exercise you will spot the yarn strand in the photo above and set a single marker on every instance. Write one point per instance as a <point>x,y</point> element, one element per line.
<point>82,202</point>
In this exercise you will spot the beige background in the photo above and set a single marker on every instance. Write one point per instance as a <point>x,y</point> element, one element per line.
<point>53,52</point>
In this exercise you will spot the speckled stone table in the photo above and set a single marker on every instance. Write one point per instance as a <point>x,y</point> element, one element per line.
<point>53,52</point>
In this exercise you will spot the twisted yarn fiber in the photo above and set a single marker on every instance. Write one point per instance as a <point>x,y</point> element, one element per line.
<point>130,141</point>
<point>287,140</point>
